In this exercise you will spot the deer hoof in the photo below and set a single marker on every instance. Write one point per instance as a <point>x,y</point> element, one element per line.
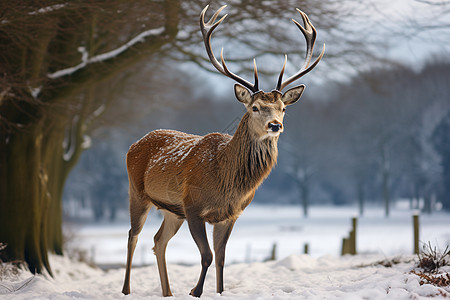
<point>195,293</point>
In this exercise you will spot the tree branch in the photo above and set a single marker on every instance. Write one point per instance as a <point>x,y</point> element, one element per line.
<point>64,83</point>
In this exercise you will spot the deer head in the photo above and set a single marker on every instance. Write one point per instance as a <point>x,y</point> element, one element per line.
<point>266,109</point>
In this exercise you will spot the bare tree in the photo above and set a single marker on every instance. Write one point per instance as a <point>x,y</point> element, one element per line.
<point>52,56</point>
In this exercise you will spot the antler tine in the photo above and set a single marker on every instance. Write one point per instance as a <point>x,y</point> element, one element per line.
<point>280,78</point>
<point>214,17</point>
<point>207,30</point>
<point>310,34</point>
<point>255,71</point>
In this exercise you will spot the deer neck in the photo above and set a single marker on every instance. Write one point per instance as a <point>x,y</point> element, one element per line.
<point>247,158</point>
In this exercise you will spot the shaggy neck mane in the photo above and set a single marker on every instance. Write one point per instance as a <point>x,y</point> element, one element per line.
<point>247,160</point>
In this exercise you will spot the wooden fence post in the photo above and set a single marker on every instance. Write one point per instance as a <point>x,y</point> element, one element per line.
<point>306,248</point>
<point>416,232</point>
<point>349,243</point>
<point>345,246</point>
<point>353,236</point>
<point>273,255</point>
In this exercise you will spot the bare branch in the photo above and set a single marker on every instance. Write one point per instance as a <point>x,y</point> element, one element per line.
<point>105,56</point>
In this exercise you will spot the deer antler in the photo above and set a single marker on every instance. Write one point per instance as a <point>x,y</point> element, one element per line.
<point>207,30</point>
<point>310,34</point>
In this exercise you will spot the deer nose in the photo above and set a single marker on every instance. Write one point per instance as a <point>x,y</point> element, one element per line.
<point>275,126</point>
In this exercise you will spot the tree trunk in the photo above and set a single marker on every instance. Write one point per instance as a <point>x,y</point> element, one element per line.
<point>305,198</point>
<point>361,196</point>
<point>427,204</point>
<point>20,202</point>
<point>303,184</point>
<point>33,173</point>
<point>446,181</point>
<point>385,174</point>
<point>386,193</point>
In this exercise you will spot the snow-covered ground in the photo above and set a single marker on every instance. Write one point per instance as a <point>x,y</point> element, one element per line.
<point>322,275</point>
<point>293,277</point>
<point>262,226</point>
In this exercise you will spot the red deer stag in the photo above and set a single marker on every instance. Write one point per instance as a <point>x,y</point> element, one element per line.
<point>209,178</point>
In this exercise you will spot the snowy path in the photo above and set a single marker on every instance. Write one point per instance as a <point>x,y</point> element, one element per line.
<point>295,277</point>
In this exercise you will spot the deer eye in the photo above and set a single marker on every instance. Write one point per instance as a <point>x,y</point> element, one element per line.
<point>284,109</point>
<point>255,109</point>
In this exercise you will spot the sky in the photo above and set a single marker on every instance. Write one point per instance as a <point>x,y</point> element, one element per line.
<point>411,18</point>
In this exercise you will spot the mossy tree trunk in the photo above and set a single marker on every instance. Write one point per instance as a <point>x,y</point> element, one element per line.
<point>33,174</point>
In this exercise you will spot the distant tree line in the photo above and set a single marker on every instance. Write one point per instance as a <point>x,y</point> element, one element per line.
<point>382,135</point>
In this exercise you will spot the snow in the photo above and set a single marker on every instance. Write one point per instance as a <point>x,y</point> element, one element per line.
<point>35,91</point>
<point>47,9</point>
<point>69,143</point>
<point>322,275</point>
<point>294,277</point>
<point>139,38</point>
<point>85,60</point>
<point>177,146</point>
<point>87,142</point>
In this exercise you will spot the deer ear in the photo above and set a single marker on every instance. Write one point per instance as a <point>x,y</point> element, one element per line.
<point>242,94</point>
<point>292,95</point>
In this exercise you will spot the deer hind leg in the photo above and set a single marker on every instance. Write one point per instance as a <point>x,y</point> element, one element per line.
<point>221,234</point>
<point>168,229</point>
<point>198,231</point>
<point>139,209</point>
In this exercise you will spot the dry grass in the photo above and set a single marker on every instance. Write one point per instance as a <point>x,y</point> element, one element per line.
<point>388,262</point>
<point>431,260</point>
<point>441,280</point>
<point>9,270</point>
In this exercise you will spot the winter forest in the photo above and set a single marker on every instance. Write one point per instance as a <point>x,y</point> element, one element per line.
<point>81,81</point>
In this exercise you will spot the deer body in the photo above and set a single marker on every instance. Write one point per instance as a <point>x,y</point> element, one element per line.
<point>210,178</point>
<point>214,176</point>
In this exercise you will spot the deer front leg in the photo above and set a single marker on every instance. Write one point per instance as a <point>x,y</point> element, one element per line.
<point>198,231</point>
<point>221,234</point>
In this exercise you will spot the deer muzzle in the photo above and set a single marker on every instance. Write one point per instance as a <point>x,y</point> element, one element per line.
<point>275,127</point>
